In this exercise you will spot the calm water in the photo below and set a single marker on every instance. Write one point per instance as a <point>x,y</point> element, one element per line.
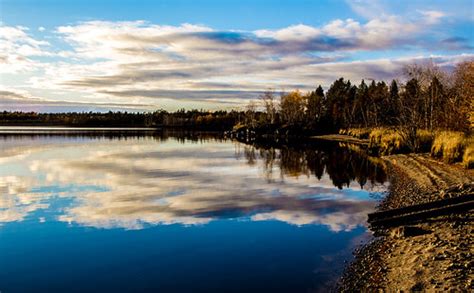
<point>126,213</point>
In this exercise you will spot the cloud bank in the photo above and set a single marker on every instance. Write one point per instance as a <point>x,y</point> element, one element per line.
<point>151,66</point>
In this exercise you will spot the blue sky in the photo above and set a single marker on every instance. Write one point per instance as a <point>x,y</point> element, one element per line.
<point>145,55</point>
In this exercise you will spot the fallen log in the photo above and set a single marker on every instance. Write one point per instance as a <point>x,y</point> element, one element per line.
<point>420,212</point>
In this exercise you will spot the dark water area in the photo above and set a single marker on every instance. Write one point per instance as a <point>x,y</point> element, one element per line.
<point>178,212</point>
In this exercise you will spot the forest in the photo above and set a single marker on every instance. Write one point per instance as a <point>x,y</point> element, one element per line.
<point>191,119</point>
<point>430,99</point>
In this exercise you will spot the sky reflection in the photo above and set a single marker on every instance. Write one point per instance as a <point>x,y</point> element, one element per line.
<point>138,182</point>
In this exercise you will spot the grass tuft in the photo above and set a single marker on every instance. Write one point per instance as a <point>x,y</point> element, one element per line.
<point>361,133</point>
<point>468,157</point>
<point>449,145</point>
<point>387,141</point>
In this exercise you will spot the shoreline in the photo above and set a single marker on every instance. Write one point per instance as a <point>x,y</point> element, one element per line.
<point>430,255</point>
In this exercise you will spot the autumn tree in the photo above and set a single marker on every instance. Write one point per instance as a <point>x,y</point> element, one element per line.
<point>292,107</point>
<point>462,101</point>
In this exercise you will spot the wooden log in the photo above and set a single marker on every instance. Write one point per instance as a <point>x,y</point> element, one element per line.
<point>420,212</point>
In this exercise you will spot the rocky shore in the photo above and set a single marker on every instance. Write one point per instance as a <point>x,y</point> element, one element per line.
<point>431,255</point>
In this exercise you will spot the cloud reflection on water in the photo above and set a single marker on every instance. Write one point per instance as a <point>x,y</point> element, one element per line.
<point>139,182</point>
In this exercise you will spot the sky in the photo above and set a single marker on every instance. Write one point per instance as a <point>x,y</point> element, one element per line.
<point>146,55</point>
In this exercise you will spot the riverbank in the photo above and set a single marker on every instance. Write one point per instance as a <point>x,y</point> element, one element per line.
<point>434,255</point>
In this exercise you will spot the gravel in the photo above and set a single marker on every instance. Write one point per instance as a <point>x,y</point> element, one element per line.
<point>433,255</point>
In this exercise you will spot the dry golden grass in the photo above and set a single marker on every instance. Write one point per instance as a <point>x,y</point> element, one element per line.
<point>387,141</point>
<point>449,145</point>
<point>468,157</point>
<point>390,141</point>
<point>238,126</point>
<point>361,133</point>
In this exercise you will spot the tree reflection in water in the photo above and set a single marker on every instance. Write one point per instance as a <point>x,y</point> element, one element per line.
<point>343,163</point>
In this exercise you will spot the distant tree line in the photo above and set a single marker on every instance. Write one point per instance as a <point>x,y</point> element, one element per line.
<point>192,119</point>
<point>81,119</point>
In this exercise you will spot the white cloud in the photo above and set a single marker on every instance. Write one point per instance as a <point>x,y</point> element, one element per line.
<point>17,48</point>
<point>432,16</point>
<point>152,66</point>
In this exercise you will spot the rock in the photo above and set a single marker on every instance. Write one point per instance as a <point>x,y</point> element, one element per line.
<point>418,287</point>
<point>440,256</point>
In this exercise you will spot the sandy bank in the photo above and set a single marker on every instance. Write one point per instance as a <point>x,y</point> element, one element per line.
<point>433,255</point>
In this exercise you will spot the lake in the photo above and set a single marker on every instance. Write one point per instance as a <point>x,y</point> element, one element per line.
<point>131,211</point>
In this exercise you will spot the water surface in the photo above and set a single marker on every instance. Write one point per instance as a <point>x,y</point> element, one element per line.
<point>156,213</point>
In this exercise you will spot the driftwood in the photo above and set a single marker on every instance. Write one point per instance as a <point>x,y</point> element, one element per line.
<point>420,212</point>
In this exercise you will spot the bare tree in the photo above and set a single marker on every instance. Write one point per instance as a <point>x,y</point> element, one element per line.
<point>426,75</point>
<point>410,117</point>
<point>270,105</point>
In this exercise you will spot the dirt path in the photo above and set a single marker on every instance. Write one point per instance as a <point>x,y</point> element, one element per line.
<point>436,255</point>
